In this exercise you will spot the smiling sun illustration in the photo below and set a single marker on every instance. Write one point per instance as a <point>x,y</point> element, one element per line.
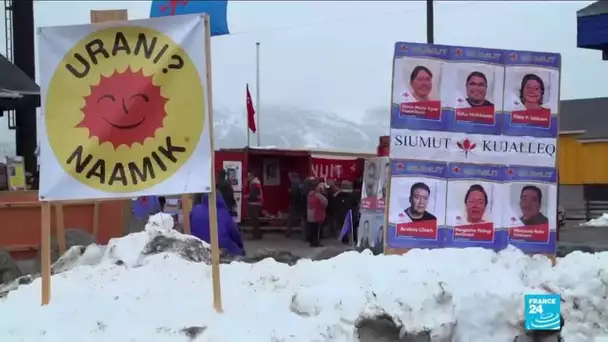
<point>124,108</point>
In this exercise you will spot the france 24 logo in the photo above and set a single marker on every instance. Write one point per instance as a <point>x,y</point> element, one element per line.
<point>542,312</point>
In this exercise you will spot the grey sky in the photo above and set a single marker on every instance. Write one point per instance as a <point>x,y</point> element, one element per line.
<point>333,59</point>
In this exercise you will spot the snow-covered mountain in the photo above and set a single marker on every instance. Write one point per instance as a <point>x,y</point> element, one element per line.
<point>298,127</point>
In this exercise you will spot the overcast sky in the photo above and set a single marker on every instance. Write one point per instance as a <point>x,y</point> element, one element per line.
<point>336,56</point>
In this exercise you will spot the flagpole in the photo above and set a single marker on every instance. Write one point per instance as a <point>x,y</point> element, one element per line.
<point>257,89</point>
<point>247,121</point>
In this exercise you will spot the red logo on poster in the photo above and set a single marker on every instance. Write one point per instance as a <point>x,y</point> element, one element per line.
<point>466,146</point>
<point>513,56</point>
<point>403,47</point>
<point>456,169</point>
<point>510,172</point>
<point>400,166</point>
<point>458,52</point>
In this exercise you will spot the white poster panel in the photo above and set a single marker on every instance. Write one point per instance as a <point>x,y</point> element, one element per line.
<point>125,109</point>
<point>417,204</point>
<point>475,206</point>
<point>531,88</point>
<point>531,214</point>
<point>375,181</point>
<point>473,148</point>
<point>385,166</point>
<point>238,198</point>
<point>416,93</point>
<point>371,229</point>
<point>472,90</point>
<point>531,97</point>
<point>417,80</point>
<point>234,172</point>
<point>271,172</point>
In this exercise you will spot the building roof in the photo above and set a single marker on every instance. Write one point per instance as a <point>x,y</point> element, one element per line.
<point>588,117</point>
<point>596,8</point>
<point>16,88</point>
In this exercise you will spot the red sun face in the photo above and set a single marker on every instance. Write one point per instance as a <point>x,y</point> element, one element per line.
<point>125,108</point>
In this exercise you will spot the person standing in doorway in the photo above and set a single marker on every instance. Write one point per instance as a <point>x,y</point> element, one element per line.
<point>255,200</point>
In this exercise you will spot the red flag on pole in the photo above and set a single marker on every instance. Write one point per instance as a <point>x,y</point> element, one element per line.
<point>250,112</point>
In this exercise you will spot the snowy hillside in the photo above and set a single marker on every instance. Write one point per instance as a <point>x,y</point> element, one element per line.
<point>292,127</point>
<point>128,291</point>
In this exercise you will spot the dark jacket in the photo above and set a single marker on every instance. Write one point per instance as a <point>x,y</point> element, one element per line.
<point>229,237</point>
<point>345,201</point>
<point>295,196</point>
<point>225,188</point>
<point>304,188</point>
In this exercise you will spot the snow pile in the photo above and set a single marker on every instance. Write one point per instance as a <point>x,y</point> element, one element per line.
<point>601,221</point>
<point>134,249</point>
<point>130,291</point>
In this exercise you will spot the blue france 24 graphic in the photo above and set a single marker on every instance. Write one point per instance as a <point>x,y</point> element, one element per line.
<point>542,312</point>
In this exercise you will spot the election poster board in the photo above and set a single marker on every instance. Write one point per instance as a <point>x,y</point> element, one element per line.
<point>234,173</point>
<point>375,184</point>
<point>371,230</point>
<point>491,117</point>
<point>374,192</point>
<point>124,107</point>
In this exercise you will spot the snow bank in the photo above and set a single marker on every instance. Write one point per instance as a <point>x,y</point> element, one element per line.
<point>601,221</point>
<point>125,292</point>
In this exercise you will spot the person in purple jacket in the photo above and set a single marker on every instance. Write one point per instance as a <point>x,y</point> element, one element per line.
<point>229,236</point>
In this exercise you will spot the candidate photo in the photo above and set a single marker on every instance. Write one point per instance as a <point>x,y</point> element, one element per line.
<point>421,84</point>
<point>530,204</point>
<point>416,80</point>
<point>532,92</point>
<point>365,233</point>
<point>477,90</point>
<point>529,89</point>
<point>476,204</point>
<point>385,180</point>
<point>371,179</point>
<point>419,201</point>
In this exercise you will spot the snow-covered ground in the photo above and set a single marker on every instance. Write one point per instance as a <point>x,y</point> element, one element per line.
<point>601,221</point>
<point>125,292</point>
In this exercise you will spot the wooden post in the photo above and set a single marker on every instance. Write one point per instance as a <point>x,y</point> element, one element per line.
<point>45,253</point>
<point>96,220</point>
<point>387,204</point>
<point>60,225</point>
<point>108,15</point>
<point>45,214</point>
<point>186,208</point>
<point>215,254</point>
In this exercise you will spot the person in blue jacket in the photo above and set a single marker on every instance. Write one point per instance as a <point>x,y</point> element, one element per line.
<point>229,236</point>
